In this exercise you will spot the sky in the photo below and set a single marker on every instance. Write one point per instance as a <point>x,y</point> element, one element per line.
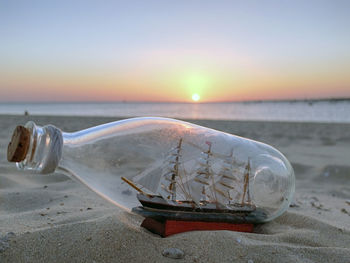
<point>171,50</point>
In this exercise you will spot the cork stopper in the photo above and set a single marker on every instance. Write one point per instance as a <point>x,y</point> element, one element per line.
<point>18,147</point>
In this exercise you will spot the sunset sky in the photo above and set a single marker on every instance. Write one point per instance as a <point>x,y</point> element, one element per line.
<point>172,50</point>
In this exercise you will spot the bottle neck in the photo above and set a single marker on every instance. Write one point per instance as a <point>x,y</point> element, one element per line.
<point>44,150</point>
<point>46,143</point>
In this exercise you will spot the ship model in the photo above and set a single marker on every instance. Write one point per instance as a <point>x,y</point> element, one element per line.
<point>204,195</point>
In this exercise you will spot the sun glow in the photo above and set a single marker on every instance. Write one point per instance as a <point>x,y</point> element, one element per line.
<point>195,97</point>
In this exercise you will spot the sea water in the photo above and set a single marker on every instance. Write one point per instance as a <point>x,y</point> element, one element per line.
<point>300,111</point>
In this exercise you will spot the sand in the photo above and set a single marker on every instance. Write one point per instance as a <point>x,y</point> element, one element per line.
<point>51,218</point>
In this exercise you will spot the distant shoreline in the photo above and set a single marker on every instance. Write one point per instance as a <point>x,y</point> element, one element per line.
<point>185,102</point>
<point>334,110</point>
<point>301,100</point>
<point>105,119</point>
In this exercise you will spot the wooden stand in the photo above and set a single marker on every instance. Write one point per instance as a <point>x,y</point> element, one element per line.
<point>168,227</point>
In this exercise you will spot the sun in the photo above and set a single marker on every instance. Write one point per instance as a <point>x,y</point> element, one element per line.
<point>195,97</point>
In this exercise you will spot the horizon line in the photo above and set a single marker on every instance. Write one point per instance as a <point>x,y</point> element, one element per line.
<point>333,99</point>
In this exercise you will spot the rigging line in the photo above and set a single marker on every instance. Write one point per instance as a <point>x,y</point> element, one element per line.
<point>218,155</point>
<point>182,186</point>
<point>222,193</point>
<point>187,179</point>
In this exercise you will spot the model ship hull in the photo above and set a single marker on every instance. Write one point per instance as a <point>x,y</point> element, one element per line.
<point>156,207</point>
<point>158,202</point>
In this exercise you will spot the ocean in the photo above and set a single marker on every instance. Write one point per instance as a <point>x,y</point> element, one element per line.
<point>330,111</point>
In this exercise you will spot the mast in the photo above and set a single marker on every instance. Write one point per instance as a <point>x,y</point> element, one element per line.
<point>204,173</point>
<point>170,179</point>
<point>175,172</point>
<point>246,185</point>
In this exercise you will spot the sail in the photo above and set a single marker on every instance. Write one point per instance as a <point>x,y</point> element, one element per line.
<point>201,189</point>
<point>228,186</point>
<point>206,180</point>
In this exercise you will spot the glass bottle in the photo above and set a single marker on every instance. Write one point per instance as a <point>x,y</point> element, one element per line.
<point>181,165</point>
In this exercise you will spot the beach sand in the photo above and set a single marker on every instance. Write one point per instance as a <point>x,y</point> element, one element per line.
<point>51,218</point>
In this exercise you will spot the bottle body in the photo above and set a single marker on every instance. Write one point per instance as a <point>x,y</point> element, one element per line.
<point>178,161</point>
